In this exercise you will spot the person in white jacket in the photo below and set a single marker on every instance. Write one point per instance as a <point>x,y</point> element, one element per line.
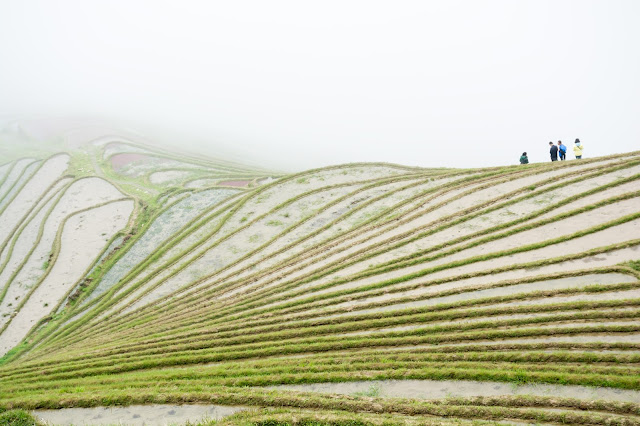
<point>577,149</point>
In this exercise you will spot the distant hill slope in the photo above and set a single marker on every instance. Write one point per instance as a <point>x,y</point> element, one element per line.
<point>130,274</point>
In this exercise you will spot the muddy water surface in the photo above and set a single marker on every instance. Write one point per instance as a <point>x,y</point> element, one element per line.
<point>136,414</point>
<point>435,389</point>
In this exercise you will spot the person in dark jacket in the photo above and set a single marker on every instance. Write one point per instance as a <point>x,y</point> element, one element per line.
<point>553,150</point>
<point>524,159</point>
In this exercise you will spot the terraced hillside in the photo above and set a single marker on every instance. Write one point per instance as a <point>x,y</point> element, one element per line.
<point>363,292</point>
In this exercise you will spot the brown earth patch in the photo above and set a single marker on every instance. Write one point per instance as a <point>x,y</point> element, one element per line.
<point>236,183</point>
<point>118,161</point>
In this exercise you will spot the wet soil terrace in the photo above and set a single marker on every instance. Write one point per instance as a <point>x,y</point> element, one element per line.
<point>369,288</point>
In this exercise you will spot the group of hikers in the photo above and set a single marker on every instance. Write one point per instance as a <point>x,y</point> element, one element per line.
<point>558,152</point>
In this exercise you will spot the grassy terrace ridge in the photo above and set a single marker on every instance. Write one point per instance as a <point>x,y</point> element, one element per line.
<point>286,203</point>
<point>340,275</point>
<point>238,206</point>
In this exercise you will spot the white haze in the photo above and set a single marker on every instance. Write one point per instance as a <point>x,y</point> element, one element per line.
<point>299,84</point>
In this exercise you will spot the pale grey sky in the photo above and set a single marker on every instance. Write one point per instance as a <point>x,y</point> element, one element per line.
<point>298,84</point>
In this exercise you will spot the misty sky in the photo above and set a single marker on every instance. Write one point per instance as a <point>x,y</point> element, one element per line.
<point>299,84</point>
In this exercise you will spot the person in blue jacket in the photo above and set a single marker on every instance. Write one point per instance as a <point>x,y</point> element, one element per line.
<point>562,150</point>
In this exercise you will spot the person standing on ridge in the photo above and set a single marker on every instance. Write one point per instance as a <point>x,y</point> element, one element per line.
<point>562,150</point>
<point>524,159</point>
<point>577,149</point>
<point>553,150</point>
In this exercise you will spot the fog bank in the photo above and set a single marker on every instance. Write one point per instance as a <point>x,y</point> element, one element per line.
<point>295,85</point>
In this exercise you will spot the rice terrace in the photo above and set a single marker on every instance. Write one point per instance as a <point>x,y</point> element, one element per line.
<point>134,277</point>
